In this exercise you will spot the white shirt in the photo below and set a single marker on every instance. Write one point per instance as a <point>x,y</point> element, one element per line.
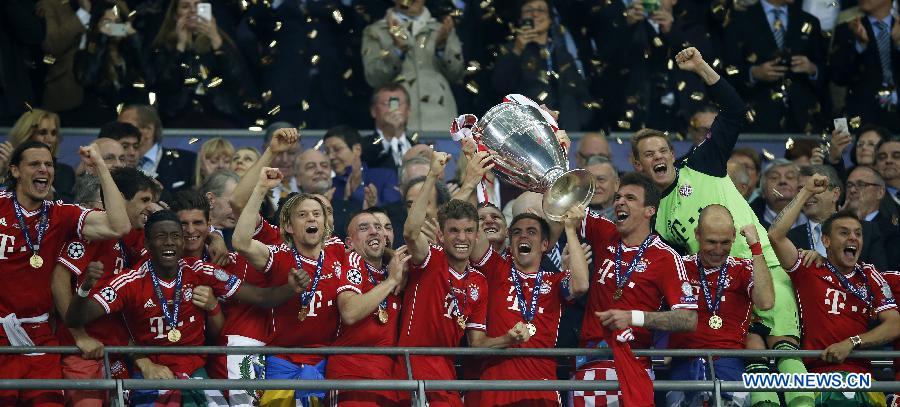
<point>396,146</point>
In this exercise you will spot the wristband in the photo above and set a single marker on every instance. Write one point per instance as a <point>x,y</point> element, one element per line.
<point>81,292</point>
<point>215,311</point>
<point>637,318</point>
<point>756,249</point>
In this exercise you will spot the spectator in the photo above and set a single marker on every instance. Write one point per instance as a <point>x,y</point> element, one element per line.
<point>801,151</point>
<point>202,80</point>
<point>540,64</point>
<point>62,93</point>
<point>865,59</point>
<point>591,144</point>
<point>215,155</point>
<point>740,178</point>
<point>314,177</point>
<point>43,126</point>
<point>700,123</point>
<point>128,137</point>
<point>865,197</point>
<point>390,108</point>
<point>780,55</point>
<point>218,187</point>
<point>410,47</point>
<point>887,162</point>
<point>749,158</point>
<point>110,151</point>
<point>113,67</point>
<point>778,185</point>
<point>863,151</point>
<point>243,159</point>
<point>606,183</point>
<point>353,179</point>
<point>172,167</point>
<point>22,72</point>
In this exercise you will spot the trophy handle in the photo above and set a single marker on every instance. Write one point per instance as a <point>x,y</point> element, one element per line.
<point>575,187</point>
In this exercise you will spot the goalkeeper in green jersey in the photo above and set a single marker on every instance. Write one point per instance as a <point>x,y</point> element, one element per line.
<point>699,179</point>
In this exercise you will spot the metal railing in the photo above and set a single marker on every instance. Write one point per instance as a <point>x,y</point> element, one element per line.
<point>416,387</point>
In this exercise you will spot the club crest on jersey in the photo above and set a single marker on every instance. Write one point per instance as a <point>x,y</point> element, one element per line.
<point>640,267</point>
<point>75,250</point>
<point>685,190</point>
<point>187,293</point>
<point>686,289</point>
<point>220,275</point>
<point>545,288</point>
<point>354,276</point>
<point>473,293</point>
<point>337,269</point>
<point>3,221</point>
<point>108,294</point>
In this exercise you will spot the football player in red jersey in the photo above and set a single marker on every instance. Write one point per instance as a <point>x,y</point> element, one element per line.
<point>637,272</point>
<point>156,301</point>
<point>524,297</point>
<point>727,289</point>
<point>310,319</point>
<point>370,312</point>
<point>72,263</point>
<point>841,294</point>
<point>33,230</point>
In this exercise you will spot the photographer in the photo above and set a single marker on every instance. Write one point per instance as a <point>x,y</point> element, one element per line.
<point>779,55</point>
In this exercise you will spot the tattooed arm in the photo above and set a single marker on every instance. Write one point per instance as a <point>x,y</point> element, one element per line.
<point>678,320</point>
<point>784,249</point>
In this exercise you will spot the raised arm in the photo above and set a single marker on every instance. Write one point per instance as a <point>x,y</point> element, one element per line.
<point>416,242</point>
<point>763,295</point>
<point>83,309</point>
<point>256,253</point>
<point>476,167</point>
<point>578,279</point>
<point>282,140</point>
<point>112,223</point>
<point>785,250</point>
<point>354,306</point>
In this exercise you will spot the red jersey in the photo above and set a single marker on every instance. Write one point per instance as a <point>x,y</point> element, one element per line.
<point>75,257</point>
<point>734,307</point>
<point>31,296</point>
<point>893,280</point>
<point>659,278</point>
<point>824,302</point>
<point>321,323</point>
<point>369,331</point>
<point>134,252</point>
<point>241,318</point>
<point>266,233</point>
<point>133,295</point>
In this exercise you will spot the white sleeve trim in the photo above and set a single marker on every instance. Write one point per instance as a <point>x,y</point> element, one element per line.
<point>102,302</point>
<point>348,287</point>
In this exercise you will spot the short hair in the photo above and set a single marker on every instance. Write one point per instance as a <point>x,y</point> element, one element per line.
<point>148,116</point>
<point>87,189</point>
<point>190,200</point>
<point>651,192</point>
<point>353,216</point>
<point>415,160</point>
<point>545,227</point>
<point>216,181</point>
<point>130,181</point>
<point>393,87</point>
<point>284,215</point>
<point>598,160</point>
<point>842,214</point>
<point>346,133</point>
<point>834,181</point>
<point>878,179</point>
<point>774,164</point>
<point>16,158</point>
<point>801,148</point>
<point>750,153</point>
<point>456,209</point>
<point>891,139</point>
<point>160,216</point>
<point>376,209</point>
<point>644,134</point>
<point>443,194</point>
<point>119,130</point>
<point>743,177</point>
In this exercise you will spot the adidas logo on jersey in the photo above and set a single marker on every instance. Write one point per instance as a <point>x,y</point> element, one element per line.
<point>149,304</point>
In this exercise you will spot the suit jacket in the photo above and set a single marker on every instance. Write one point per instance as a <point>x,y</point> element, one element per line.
<point>176,169</point>
<point>64,31</point>
<point>861,74</point>
<point>888,223</point>
<point>750,42</point>
<point>872,248</point>
<point>374,154</point>
<point>759,208</point>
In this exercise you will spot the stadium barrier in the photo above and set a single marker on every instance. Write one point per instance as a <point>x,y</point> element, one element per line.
<point>418,387</point>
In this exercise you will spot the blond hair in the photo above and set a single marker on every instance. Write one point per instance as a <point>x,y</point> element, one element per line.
<point>28,122</point>
<point>211,148</point>
<point>284,218</point>
<point>644,134</point>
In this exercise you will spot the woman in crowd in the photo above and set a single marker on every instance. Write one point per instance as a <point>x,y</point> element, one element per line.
<point>215,154</point>
<point>112,68</point>
<point>243,159</point>
<point>40,125</point>
<point>202,79</point>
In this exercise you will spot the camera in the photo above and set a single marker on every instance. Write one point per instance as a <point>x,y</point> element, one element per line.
<point>527,23</point>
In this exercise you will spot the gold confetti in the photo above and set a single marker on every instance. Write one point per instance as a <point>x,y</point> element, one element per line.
<point>472,87</point>
<point>414,137</point>
<point>244,5</point>
<point>543,95</point>
<point>629,114</point>
<point>190,81</point>
<point>132,14</point>
<point>151,97</point>
<point>776,95</point>
<point>273,43</point>
<point>255,128</point>
<point>318,144</point>
<point>260,122</point>
<point>698,96</point>
<point>681,85</point>
<point>768,154</point>
<point>751,58</point>
<point>216,81</point>
<point>266,95</point>
<point>304,105</point>
<point>378,140</point>
<point>275,110</point>
<point>623,124</point>
<point>204,72</point>
<point>731,70</point>
<point>49,59</point>
<point>751,116</point>
<point>670,65</point>
<point>384,54</point>
<point>119,107</point>
<point>855,122</point>
<point>312,34</point>
<point>193,140</point>
<point>807,28</point>
<point>657,41</point>
<point>138,85</point>
<point>277,26</point>
<point>716,63</point>
<point>592,105</point>
<point>789,144</point>
<point>474,66</point>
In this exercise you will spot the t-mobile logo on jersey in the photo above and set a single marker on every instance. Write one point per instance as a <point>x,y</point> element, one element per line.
<point>7,244</point>
<point>835,298</point>
<point>159,326</point>
<point>314,304</point>
<point>513,300</point>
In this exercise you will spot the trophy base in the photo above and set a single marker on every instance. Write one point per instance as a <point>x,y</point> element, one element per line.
<point>575,187</point>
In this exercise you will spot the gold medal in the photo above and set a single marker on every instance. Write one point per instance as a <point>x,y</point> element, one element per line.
<point>304,311</point>
<point>618,294</point>
<point>36,261</point>
<point>715,322</point>
<point>461,321</point>
<point>174,335</point>
<point>382,315</point>
<point>532,330</point>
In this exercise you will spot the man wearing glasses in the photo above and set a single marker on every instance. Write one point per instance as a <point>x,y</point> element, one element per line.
<point>865,197</point>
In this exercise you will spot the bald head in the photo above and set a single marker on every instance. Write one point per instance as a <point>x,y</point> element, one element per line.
<point>590,145</point>
<point>111,152</point>
<point>715,232</point>
<point>715,216</point>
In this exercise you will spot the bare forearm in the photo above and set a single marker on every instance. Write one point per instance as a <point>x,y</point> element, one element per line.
<point>81,311</point>
<point>708,74</point>
<point>354,307</point>
<point>578,284</point>
<point>883,334</point>
<point>114,202</point>
<point>246,224</point>
<point>269,297</point>
<point>763,291</point>
<point>244,188</point>
<point>786,218</point>
<point>214,325</point>
<point>416,217</point>
<point>479,339</point>
<point>678,320</point>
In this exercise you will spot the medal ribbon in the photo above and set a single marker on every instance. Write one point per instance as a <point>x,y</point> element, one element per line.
<point>862,292</point>
<point>43,222</point>
<point>621,280</point>
<point>124,252</point>
<point>460,310</point>
<point>529,312</point>
<point>713,303</point>
<point>171,317</point>
<point>371,272</point>
<point>307,296</point>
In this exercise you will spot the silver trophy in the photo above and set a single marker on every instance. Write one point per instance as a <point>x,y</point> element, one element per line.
<point>527,154</point>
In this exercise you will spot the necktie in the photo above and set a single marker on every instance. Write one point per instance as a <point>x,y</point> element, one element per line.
<point>884,51</point>
<point>817,237</point>
<point>778,28</point>
<point>395,150</point>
